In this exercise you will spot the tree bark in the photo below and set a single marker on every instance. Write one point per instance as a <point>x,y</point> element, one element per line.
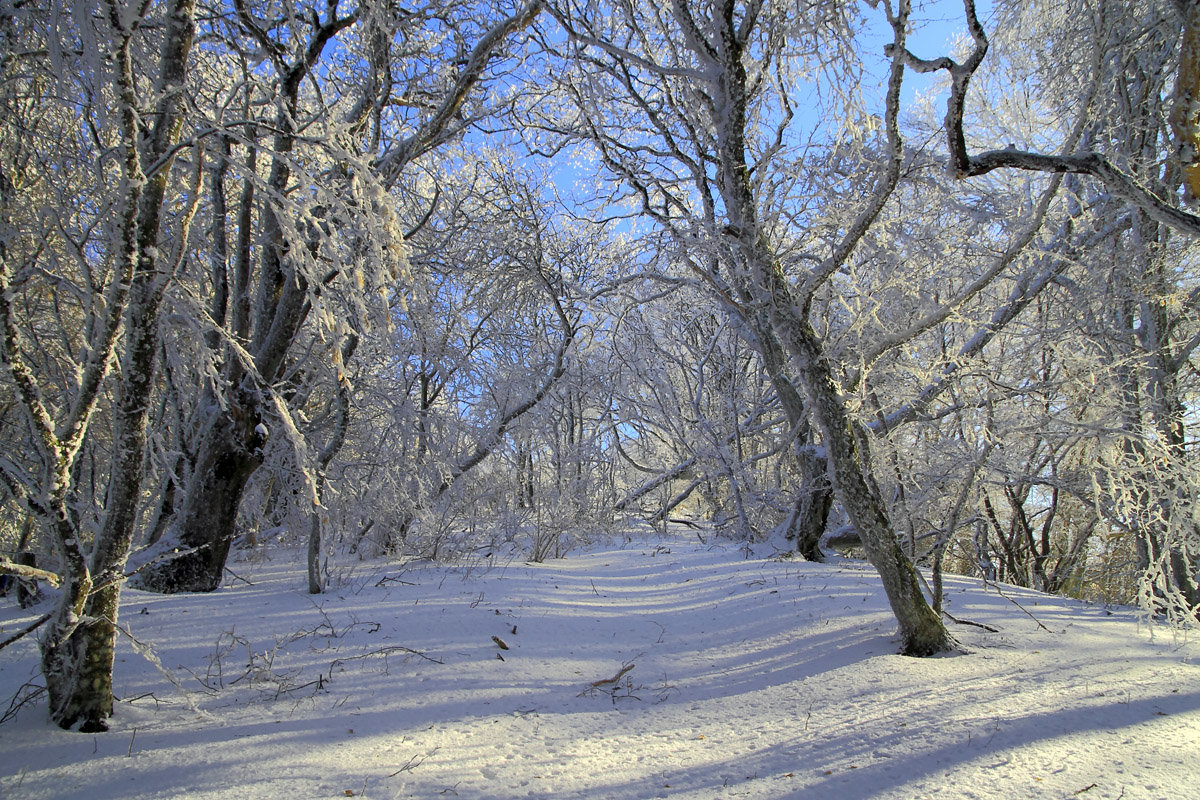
<point>1185,112</point>
<point>814,495</point>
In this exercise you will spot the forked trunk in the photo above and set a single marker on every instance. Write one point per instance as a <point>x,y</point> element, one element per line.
<point>191,556</point>
<point>79,669</point>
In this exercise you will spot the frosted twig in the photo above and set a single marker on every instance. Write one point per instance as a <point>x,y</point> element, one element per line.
<point>26,632</point>
<point>147,652</point>
<point>382,652</point>
<point>1018,605</point>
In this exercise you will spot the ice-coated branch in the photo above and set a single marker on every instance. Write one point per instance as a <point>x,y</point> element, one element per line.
<point>886,183</point>
<point>21,571</point>
<point>430,132</point>
<point>1096,165</point>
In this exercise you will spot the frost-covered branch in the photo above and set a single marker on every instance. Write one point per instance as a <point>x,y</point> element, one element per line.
<point>22,571</point>
<point>429,133</point>
<point>1014,249</point>
<point>885,183</point>
<point>1096,165</point>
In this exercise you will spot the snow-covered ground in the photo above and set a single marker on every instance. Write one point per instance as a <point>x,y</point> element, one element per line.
<point>747,678</point>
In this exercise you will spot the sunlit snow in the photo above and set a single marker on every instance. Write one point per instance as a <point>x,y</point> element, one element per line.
<point>749,677</point>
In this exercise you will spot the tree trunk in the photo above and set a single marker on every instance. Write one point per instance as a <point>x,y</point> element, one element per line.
<point>814,500</point>
<point>921,629</point>
<point>763,288</point>
<point>194,550</point>
<point>79,669</point>
<point>814,497</point>
<point>78,652</point>
<point>315,584</point>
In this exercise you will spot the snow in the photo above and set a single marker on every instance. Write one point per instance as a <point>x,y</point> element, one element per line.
<point>751,677</point>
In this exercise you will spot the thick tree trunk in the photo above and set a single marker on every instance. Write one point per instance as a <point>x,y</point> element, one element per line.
<point>814,500</point>
<point>62,652</point>
<point>79,669</point>
<point>192,553</point>
<point>315,583</point>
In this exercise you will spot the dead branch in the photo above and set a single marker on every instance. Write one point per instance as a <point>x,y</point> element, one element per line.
<point>386,651</point>
<point>957,621</point>
<point>27,693</point>
<point>614,680</point>
<point>26,632</point>
<point>8,567</point>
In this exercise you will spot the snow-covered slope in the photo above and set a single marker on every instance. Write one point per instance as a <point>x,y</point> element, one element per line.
<point>746,678</point>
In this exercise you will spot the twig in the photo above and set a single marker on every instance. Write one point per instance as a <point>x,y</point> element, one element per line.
<point>238,577</point>
<point>25,632</point>
<point>413,763</point>
<point>31,692</point>
<point>388,579</point>
<point>1018,605</point>
<point>141,696</point>
<point>383,652</point>
<point>957,621</point>
<point>319,683</point>
<point>615,679</point>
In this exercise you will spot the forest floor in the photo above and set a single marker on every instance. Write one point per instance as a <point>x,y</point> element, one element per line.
<point>651,668</point>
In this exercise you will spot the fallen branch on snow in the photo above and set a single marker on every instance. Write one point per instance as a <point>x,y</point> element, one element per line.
<point>614,680</point>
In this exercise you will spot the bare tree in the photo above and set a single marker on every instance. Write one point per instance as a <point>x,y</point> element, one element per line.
<point>301,263</point>
<point>701,114</point>
<point>78,646</point>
